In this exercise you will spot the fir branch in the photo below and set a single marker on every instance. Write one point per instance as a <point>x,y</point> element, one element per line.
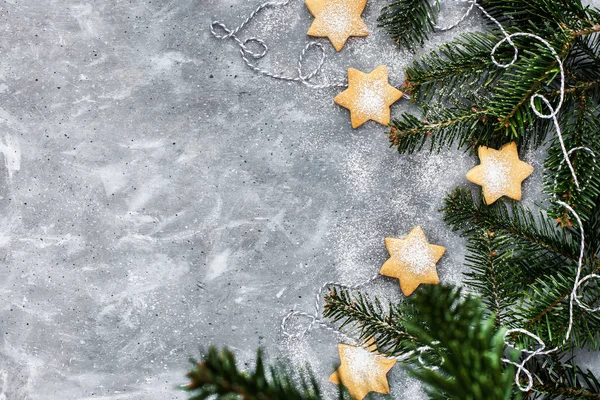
<point>494,275</point>
<point>580,129</point>
<point>545,311</point>
<point>543,15</point>
<point>455,68</point>
<point>463,212</point>
<point>409,22</point>
<point>441,126</point>
<point>540,266</point>
<point>462,71</point>
<point>562,379</point>
<point>535,68</point>
<point>370,319</point>
<point>457,330</point>
<point>217,375</point>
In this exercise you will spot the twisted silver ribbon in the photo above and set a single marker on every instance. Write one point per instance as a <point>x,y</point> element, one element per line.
<point>248,54</point>
<point>573,298</point>
<point>315,320</point>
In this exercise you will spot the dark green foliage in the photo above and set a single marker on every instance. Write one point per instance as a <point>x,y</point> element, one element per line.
<point>462,72</point>
<point>580,129</point>
<point>442,127</point>
<point>535,234</point>
<point>509,102</point>
<point>489,256</point>
<point>457,330</point>
<point>218,375</point>
<point>478,103</point>
<point>370,319</point>
<point>563,380</point>
<point>531,274</point>
<point>409,22</point>
<point>444,73</point>
<point>537,15</point>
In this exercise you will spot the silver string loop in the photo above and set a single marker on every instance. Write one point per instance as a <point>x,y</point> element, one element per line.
<point>438,28</point>
<point>220,31</point>
<point>315,320</point>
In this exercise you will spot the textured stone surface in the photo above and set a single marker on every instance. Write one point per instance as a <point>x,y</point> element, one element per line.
<point>157,195</point>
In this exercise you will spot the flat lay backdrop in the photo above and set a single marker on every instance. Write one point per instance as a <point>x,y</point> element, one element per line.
<point>157,196</point>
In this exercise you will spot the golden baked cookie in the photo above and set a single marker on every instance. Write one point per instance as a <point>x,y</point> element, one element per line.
<point>361,371</point>
<point>337,20</point>
<point>369,96</point>
<point>500,173</point>
<point>412,260</point>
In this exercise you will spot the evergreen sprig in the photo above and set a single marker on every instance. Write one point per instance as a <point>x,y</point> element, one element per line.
<point>217,376</point>
<point>456,69</point>
<point>455,328</point>
<point>531,271</point>
<point>458,332</point>
<point>489,257</point>
<point>409,22</point>
<point>580,131</point>
<point>479,103</point>
<point>536,234</point>
<point>369,319</point>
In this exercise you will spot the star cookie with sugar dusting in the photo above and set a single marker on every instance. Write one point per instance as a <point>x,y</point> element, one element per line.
<point>412,260</point>
<point>500,173</point>
<point>362,371</point>
<point>369,96</point>
<point>337,20</point>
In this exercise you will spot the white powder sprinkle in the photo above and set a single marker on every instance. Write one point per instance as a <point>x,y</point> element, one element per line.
<point>416,254</point>
<point>371,100</point>
<point>337,16</point>
<point>362,364</point>
<point>496,177</point>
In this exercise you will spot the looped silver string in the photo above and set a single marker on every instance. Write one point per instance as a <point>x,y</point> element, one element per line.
<point>530,354</point>
<point>508,39</point>
<point>573,298</point>
<point>247,54</point>
<point>553,111</point>
<point>315,320</point>
<point>314,317</point>
<point>438,28</point>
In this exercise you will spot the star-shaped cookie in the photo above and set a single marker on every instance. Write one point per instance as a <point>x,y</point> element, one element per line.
<point>369,96</point>
<point>361,371</point>
<point>337,20</point>
<point>500,172</point>
<point>412,260</point>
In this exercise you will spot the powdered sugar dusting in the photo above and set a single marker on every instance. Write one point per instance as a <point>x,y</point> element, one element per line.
<point>362,364</point>
<point>338,16</point>
<point>497,175</point>
<point>415,253</point>
<point>371,100</point>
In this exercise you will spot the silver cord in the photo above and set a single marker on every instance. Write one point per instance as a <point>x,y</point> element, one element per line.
<point>248,54</point>
<point>315,320</point>
<point>438,28</point>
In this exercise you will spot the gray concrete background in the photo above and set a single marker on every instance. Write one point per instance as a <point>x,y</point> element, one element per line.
<point>157,196</point>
